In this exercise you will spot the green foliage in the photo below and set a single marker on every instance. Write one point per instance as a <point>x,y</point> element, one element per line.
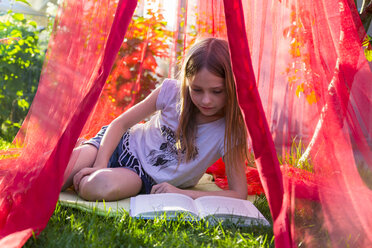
<point>4,144</point>
<point>8,149</point>
<point>20,66</point>
<point>368,47</point>
<point>24,1</point>
<point>73,228</point>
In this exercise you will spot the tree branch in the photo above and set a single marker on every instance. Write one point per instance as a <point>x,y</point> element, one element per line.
<point>366,14</point>
<point>364,4</point>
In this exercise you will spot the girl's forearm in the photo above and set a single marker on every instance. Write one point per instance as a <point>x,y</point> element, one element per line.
<point>121,124</point>
<point>228,193</point>
<point>109,143</point>
<point>165,187</point>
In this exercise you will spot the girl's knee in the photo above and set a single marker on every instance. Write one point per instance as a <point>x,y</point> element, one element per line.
<point>94,187</point>
<point>109,185</point>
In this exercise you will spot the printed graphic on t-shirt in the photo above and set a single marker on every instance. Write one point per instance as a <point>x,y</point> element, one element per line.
<point>167,154</point>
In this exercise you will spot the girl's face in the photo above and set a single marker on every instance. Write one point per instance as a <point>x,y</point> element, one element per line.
<point>208,93</point>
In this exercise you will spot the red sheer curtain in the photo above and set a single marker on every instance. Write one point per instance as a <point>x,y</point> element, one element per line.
<point>79,59</point>
<point>303,83</point>
<point>265,154</point>
<point>312,79</point>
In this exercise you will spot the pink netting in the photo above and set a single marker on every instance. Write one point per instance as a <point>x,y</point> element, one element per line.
<point>79,59</point>
<point>302,79</point>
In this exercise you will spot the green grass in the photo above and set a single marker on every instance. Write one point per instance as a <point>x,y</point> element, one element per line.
<point>294,156</point>
<point>70,227</point>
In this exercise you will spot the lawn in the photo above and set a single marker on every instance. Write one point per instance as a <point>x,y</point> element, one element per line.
<point>70,227</point>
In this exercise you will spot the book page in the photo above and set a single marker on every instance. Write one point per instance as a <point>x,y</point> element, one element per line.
<point>166,202</point>
<point>219,205</point>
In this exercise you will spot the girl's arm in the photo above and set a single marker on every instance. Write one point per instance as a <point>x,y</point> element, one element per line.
<point>237,186</point>
<point>121,124</point>
<point>114,133</point>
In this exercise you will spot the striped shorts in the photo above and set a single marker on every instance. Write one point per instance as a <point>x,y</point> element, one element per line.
<point>122,157</point>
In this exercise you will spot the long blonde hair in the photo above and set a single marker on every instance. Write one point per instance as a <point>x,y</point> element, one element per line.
<point>212,54</point>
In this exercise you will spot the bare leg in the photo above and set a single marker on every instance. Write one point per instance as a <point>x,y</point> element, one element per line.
<point>110,184</point>
<point>81,157</point>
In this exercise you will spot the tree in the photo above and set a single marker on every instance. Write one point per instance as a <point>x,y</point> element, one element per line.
<point>20,67</point>
<point>366,18</point>
<point>135,72</point>
<point>366,13</point>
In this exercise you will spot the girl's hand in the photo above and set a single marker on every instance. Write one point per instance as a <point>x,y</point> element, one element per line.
<point>165,188</point>
<point>82,173</point>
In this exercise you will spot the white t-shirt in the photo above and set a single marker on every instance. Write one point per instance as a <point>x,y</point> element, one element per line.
<point>153,142</point>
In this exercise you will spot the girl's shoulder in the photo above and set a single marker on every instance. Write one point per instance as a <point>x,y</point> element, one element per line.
<point>171,84</point>
<point>169,93</point>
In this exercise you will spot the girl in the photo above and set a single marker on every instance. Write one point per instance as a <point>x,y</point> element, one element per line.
<point>196,121</point>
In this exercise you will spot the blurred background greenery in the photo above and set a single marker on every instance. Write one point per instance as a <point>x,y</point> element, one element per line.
<point>24,36</point>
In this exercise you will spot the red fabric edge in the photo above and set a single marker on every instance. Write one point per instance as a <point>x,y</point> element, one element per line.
<point>249,100</point>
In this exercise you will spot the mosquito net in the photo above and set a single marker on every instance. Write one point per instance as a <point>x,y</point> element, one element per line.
<point>302,82</point>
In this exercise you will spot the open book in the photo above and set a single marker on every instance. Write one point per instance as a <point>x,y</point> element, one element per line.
<point>241,212</point>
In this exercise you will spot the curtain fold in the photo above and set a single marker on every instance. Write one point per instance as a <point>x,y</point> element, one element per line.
<point>250,103</point>
<point>29,190</point>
